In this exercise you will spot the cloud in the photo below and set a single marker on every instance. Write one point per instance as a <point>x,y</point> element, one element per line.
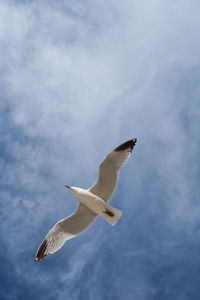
<point>77,79</point>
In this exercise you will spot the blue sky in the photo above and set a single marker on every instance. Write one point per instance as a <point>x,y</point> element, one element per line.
<point>77,78</point>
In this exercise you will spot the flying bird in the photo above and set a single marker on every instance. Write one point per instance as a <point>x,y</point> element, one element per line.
<point>92,202</point>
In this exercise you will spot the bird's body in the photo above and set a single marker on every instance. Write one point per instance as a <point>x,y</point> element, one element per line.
<point>92,202</point>
<point>97,205</point>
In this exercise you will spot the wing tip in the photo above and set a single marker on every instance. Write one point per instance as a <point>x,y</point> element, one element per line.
<point>129,144</point>
<point>40,258</point>
<point>41,251</point>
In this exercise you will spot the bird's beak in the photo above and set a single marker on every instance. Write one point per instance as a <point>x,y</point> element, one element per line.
<point>67,186</point>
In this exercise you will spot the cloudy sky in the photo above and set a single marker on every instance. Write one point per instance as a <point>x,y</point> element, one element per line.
<point>78,78</point>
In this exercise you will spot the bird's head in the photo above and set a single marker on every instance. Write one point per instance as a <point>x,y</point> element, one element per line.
<point>73,189</point>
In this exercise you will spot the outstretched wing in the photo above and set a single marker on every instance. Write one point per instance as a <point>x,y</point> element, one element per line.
<point>64,230</point>
<point>109,170</point>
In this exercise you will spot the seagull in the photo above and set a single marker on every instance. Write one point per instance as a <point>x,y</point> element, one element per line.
<point>92,202</point>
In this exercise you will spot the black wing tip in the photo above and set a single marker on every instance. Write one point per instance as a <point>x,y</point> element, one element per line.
<point>41,257</point>
<point>129,144</point>
<point>41,251</point>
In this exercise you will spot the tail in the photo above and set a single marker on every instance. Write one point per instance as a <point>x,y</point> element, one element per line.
<point>111,214</point>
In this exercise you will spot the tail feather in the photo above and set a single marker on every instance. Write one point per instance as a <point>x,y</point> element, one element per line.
<point>111,214</point>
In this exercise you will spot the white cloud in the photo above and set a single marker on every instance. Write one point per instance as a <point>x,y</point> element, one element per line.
<point>81,77</point>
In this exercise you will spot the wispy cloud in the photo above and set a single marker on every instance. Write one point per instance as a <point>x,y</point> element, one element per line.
<point>78,78</point>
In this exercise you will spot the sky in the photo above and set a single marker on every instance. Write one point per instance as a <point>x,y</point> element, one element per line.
<point>78,78</point>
